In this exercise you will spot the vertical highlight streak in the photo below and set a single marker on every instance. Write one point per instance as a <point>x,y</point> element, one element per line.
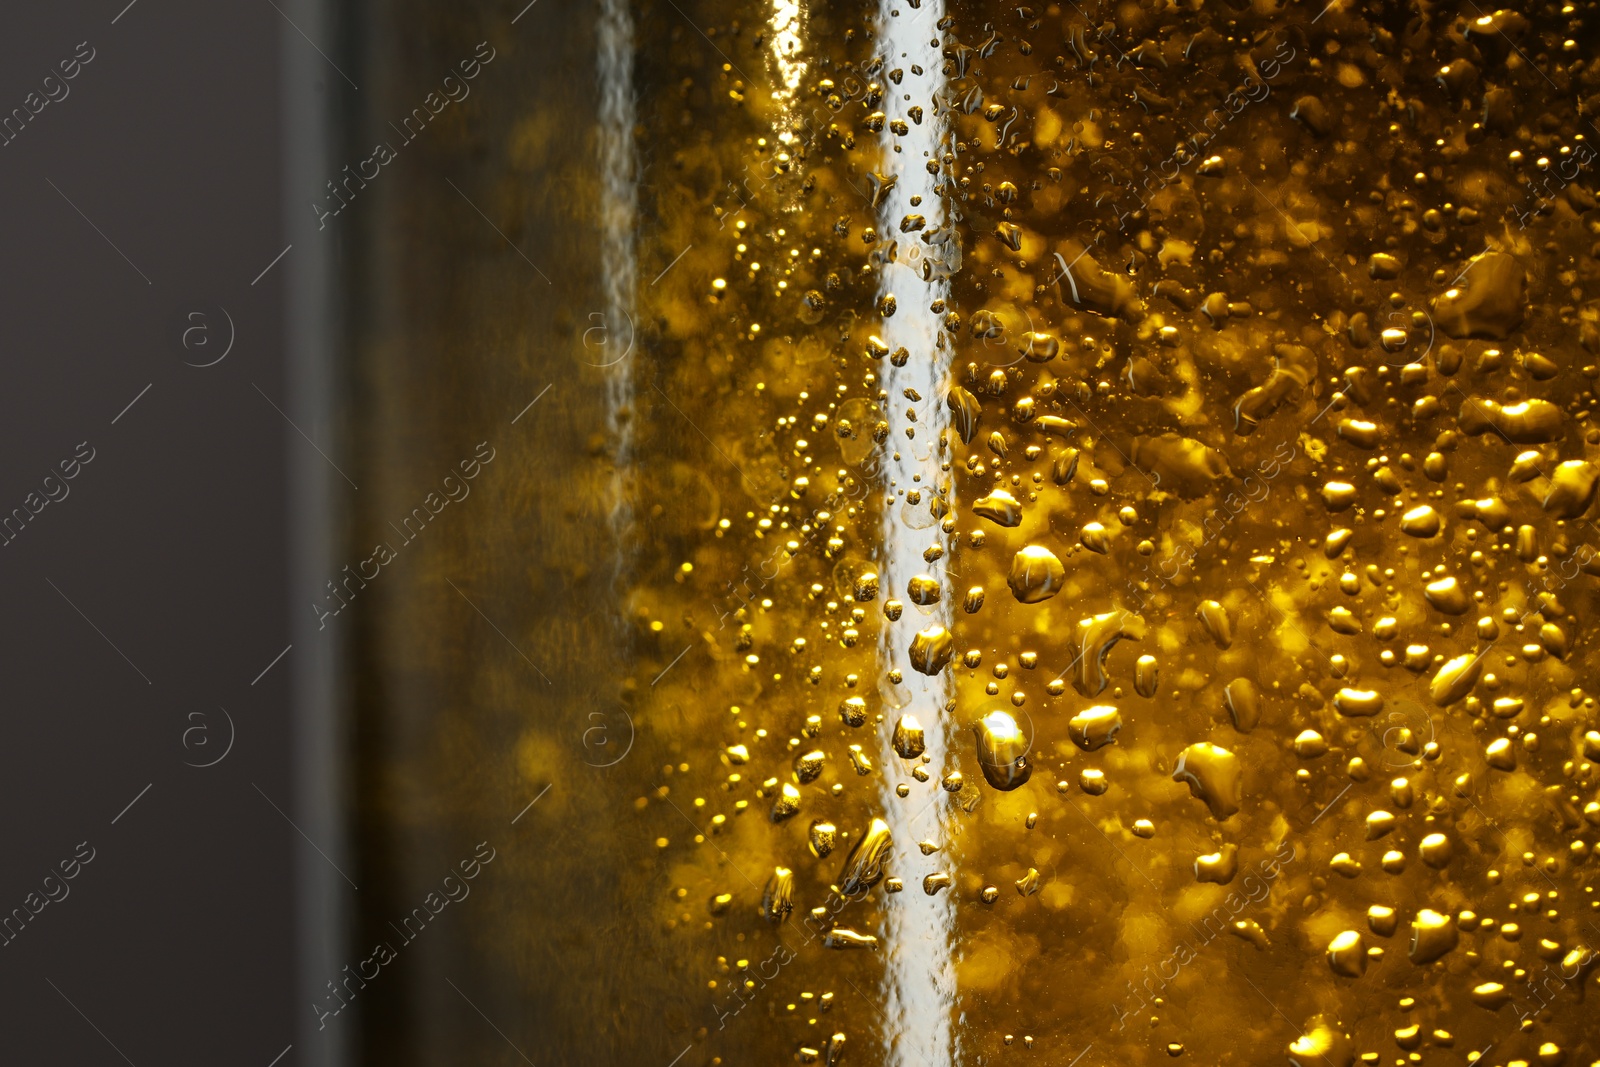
<point>619,210</point>
<point>919,978</point>
<point>787,39</point>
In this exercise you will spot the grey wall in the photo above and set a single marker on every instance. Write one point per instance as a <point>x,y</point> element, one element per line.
<point>144,605</point>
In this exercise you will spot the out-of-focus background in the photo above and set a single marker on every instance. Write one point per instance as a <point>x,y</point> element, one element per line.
<point>238,337</point>
<point>148,434</point>
<point>265,262</point>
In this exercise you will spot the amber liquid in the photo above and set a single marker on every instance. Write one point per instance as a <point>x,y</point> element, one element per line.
<point>1043,532</point>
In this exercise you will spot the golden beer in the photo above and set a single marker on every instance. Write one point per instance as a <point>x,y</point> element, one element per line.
<point>1016,534</point>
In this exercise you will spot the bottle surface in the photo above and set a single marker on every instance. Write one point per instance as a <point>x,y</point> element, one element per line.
<point>939,532</point>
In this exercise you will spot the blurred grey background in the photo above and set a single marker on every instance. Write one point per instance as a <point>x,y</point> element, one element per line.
<point>147,733</point>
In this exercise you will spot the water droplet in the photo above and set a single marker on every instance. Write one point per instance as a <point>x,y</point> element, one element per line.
<point>1455,679</point>
<point>787,803</point>
<point>1435,850</point>
<point>1420,521</point>
<point>1095,537</point>
<point>1146,676</point>
<point>1094,727</point>
<point>1002,751</point>
<point>1036,575</point>
<point>1244,704</point>
<point>1251,931</point>
<point>809,766</point>
<point>1345,865</point>
<point>1218,867</point>
<point>908,739</point>
<point>1215,618</point>
<point>844,937</point>
<point>1491,995</point>
<point>931,649</point>
<point>822,838</point>
<point>1357,703</point>
<point>778,899</point>
<point>1447,596</point>
<point>1432,936</point>
<point>1324,1044</point>
<point>1527,422</point>
<point>1309,744</point>
<point>1213,776</point>
<point>1347,956</point>
<point>923,589</point>
<point>1040,347</point>
<point>1000,508</point>
<point>1500,754</point>
<point>1572,488</point>
<point>863,867</point>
